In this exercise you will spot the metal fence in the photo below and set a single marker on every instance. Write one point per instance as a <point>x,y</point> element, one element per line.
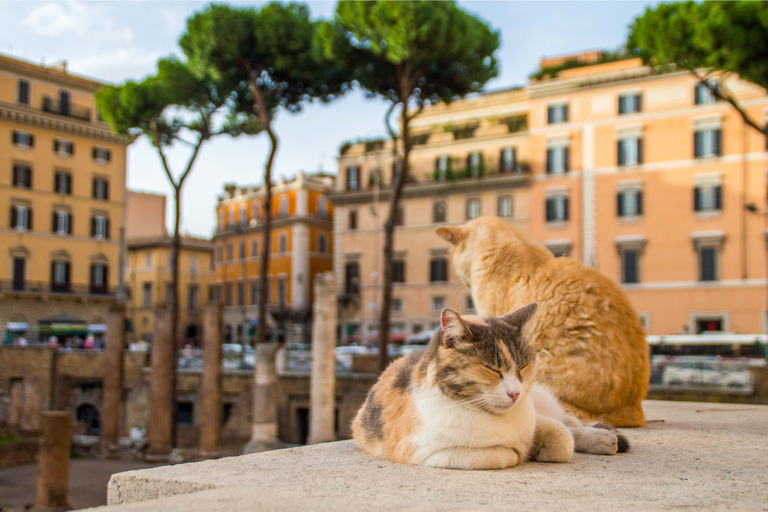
<point>702,373</point>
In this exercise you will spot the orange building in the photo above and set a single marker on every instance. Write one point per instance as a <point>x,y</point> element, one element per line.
<point>637,173</point>
<point>301,246</point>
<point>62,191</point>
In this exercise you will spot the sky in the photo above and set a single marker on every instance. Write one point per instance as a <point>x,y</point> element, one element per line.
<point>113,41</point>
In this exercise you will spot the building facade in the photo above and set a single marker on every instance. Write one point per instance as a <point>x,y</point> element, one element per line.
<point>637,173</point>
<point>301,247</point>
<point>62,187</point>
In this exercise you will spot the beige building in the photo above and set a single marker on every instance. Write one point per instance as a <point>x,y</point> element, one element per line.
<point>301,247</point>
<point>636,173</point>
<point>62,187</point>
<point>148,270</point>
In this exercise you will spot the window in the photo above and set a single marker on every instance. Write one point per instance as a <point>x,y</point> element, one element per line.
<point>254,291</point>
<point>98,278</point>
<point>708,197</point>
<point>243,215</point>
<point>417,328</point>
<point>505,206</point>
<point>400,215</point>
<point>147,298</point>
<point>282,291</point>
<point>231,218</point>
<point>629,202</point>
<point>559,248</point>
<point>60,276</point>
<point>62,223</point>
<point>221,221</point>
<point>22,176</point>
<point>99,226</point>
<point>353,177</point>
<point>23,92</point>
<point>255,214</point>
<point>473,208</point>
<point>65,104</point>
<point>240,293</point>
<point>352,221</point>
<point>282,246</point>
<point>283,206</point>
<point>352,278</point>
<point>193,264</point>
<point>23,139</point>
<point>322,207</point>
<point>241,249</point>
<point>147,259</point>
<point>438,270</point>
<point>557,208</point>
<point>322,243</point>
<point>398,271</point>
<point>630,150</point>
<point>63,147</point>
<point>438,304</point>
<point>475,164</point>
<point>507,160</point>
<point>703,94</point>
<point>100,188</point>
<point>442,167</point>
<point>192,296</point>
<point>21,217</point>
<point>708,263</point>
<point>629,103</point>
<point>62,182</point>
<point>470,304</point>
<point>228,294</point>
<point>170,261</point>
<point>707,143</point>
<point>630,265</point>
<point>557,113</point>
<point>558,159</point>
<point>397,305</point>
<point>438,211</point>
<point>185,412</point>
<point>101,155</point>
<point>254,247</point>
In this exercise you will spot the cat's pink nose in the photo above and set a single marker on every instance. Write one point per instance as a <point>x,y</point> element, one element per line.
<point>513,395</point>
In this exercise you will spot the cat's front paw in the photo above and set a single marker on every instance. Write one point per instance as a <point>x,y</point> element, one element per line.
<point>598,441</point>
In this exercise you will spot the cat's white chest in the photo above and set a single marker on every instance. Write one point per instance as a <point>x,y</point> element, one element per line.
<point>445,424</point>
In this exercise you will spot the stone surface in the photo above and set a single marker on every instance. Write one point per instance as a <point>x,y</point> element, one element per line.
<point>210,424</point>
<point>53,460</point>
<point>697,456</point>
<point>113,378</point>
<point>161,389</point>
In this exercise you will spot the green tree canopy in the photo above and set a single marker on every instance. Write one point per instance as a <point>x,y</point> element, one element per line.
<point>705,38</point>
<point>412,53</point>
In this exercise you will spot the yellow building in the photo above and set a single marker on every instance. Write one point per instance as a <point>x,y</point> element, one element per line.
<point>62,187</point>
<point>637,173</point>
<point>301,246</point>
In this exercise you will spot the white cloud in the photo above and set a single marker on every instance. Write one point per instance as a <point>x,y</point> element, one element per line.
<point>74,18</point>
<point>118,64</point>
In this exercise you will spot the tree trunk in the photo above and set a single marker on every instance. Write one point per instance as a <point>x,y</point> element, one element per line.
<point>174,306</point>
<point>401,172</point>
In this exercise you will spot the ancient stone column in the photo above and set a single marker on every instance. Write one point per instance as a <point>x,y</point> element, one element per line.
<point>322,412</point>
<point>161,387</point>
<point>112,403</point>
<point>264,433</point>
<point>210,427</point>
<point>53,460</point>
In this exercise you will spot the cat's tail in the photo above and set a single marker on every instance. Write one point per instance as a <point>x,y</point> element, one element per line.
<point>623,441</point>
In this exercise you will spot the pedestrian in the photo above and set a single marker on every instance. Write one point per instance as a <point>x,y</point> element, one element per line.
<point>22,341</point>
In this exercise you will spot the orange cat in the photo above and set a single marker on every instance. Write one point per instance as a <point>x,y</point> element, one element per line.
<point>592,351</point>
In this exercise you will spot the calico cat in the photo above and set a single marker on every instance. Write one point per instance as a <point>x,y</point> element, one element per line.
<point>469,401</point>
<point>592,351</point>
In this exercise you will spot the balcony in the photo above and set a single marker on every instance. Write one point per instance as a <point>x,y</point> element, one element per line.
<point>68,109</point>
<point>47,288</point>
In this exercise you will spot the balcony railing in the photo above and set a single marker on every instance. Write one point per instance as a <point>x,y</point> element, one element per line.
<point>47,287</point>
<point>66,109</point>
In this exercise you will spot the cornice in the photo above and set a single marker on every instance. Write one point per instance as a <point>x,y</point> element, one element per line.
<point>276,223</point>
<point>38,118</point>
<point>50,74</point>
<point>436,188</point>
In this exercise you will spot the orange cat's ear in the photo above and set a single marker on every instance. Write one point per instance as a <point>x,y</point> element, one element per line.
<point>452,234</point>
<point>455,330</point>
<point>520,317</point>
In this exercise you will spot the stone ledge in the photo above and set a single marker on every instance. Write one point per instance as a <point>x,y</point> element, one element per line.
<point>702,456</point>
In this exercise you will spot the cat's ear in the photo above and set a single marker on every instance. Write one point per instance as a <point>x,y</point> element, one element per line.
<point>455,329</point>
<point>520,317</point>
<point>453,234</point>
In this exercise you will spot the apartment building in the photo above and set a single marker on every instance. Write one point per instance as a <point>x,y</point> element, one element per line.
<point>301,246</point>
<point>149,270</point>
<point>62,186</point>
<point>637,173</point>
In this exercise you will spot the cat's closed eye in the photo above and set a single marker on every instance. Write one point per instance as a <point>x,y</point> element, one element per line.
<point>501,375</point>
